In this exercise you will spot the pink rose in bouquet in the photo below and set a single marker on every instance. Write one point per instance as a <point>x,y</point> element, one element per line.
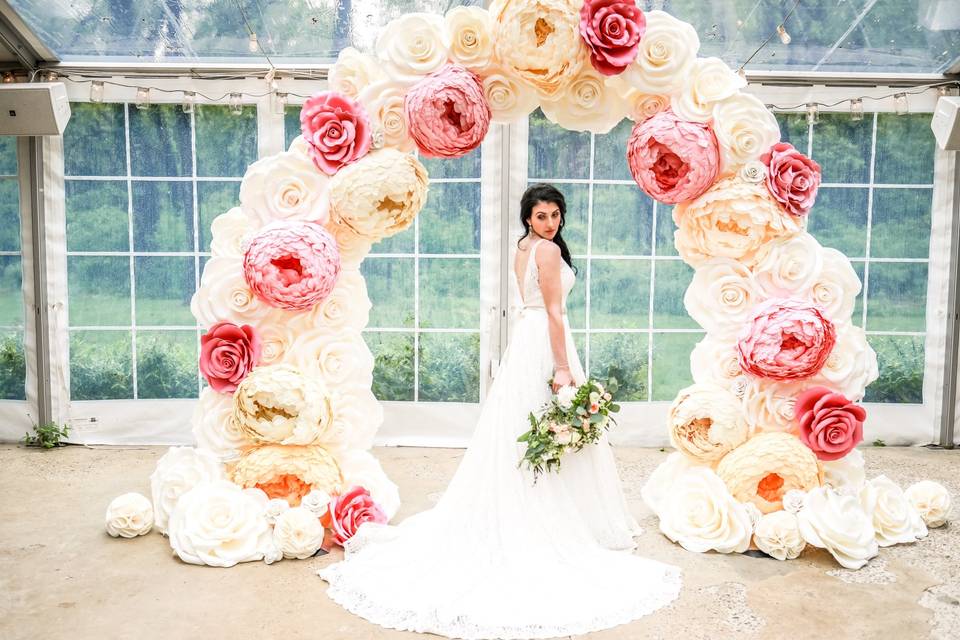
<point>350,510</point>
<point>336,129</point>
<point>786,340</point>
<point>673,160</point>
<point>612,30</point>
<point>227,354</point>
<point>447,113</point>
<point>792,178</point>
<point>830,424</point>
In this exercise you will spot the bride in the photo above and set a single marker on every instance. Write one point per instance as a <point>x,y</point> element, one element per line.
<point>500,556</point>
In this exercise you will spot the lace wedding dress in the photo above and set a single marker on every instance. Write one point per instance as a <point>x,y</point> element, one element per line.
<point>500,557</point>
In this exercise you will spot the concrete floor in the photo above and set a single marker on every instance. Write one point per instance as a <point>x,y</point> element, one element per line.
<point>61,576</point>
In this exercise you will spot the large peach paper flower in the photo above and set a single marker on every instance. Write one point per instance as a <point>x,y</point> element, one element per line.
<point>447,113</point>
<point>706,422</point>
<point>287,471</point>
<point>277,403</point>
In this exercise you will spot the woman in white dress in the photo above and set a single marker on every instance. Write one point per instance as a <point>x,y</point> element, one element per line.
<point>500,556</point>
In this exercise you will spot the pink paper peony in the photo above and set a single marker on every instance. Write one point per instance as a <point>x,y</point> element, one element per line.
<point>830,424</point>
<point>227,354</point>
<point>336,129</point>
<point>673,160</point>
<point>350,510</point>
<point>792,178</point>
<point>786,340</point>
<point>292,265</point>
<point>612,30</point>
<point>447,113</point>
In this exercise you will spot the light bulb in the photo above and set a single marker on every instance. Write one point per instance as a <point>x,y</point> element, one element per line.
<point>143,97</point>
<point>784,36</point>
<point>189,99</point>
<point>742,73</point>
<point>96,91</point>
<point>236,107</point>
<point>813,113</point>
<point>900,104</point>
<point>254,44</point>
<point>856,109</point>
<point>279,103</point>
<point>8,77</point>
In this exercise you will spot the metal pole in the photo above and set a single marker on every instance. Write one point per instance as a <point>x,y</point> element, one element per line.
<point>948,411</point>
<point>40,307</point>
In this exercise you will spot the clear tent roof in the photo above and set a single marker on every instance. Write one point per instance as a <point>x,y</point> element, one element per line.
<point>889,36</point>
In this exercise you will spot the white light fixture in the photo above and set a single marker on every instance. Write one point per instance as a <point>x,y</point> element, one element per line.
<point>900,105</point>
<point>96,91</point>
<point>784,36</point>
<point>236,107</point>
<point>279,103</point>
<point>189,100</point>
<point>856,109</point>
<point>254,44</point>
<point>813,113</point>
<point>143,97</point>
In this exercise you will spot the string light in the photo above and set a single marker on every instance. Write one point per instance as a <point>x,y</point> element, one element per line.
<point>813,113</point>
<point>279,103</point>
<point>856,109</point>
<point>942,90</point>
<point>900,104</point>
<point>784,36</point>
<point>52,76</point>
<point>8,77</point>
<point>253,44</point>
<point>96,91</point>
<point>189,99</point>
<point>143,97</point>
<point>236,106</point>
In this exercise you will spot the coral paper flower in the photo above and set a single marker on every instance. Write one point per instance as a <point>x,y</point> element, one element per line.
<point>787,340</point>
<point>792,178</point>
<point>447,113</point>
<point>349,511</point>
<point>612,30</point>
<point>287,471</point>
<point>227,354</point>
<point>337,130</point>
<point>830,424</point>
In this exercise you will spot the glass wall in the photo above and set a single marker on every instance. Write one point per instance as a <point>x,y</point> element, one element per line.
<point>12,362</point>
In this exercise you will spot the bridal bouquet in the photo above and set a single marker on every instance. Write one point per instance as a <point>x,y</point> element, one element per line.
<point>574,418</point>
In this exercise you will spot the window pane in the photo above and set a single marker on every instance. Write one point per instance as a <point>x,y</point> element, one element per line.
<point>11,292</point>
<point>671,279</point>
<point>665,229</point>
<point>839,220</point>
<point>466,167</point>
<point>390,287</point>
<point>13,366</point>
<point>97,215</point>
<point>841,146</point>
<point>99,291</point>
<point>576,300</point>
<point>624,357</point>
<point>450,293</point>
<point>896,297</point>
<point>226,143</point>
<point>622,220</point>
<point>619,294</point>
<point>858,305</point>
<point>900,359</point>
<point>793,129</point>
<point>291,124</point>
<point>9,214</point>
<point>167,364</point>
<point>555,152</point>
<point>100,365</point>
<point>403,242</point>
<point>159,141</point>
<point>905,149</point>
<point>671,363</point>
<point>8,156</point>
<point>901,223</point>
<point>450,367</point>
<point>162,216</point>
<point>610,160</point>
<point>164,288</point>
<point>393,369</point>
<point>94,143</point>
<point>450,220</point>
<point>214,198</point>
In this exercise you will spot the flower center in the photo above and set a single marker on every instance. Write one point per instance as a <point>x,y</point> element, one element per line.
<point>770,487</point>
<point>542,29</point>
<point>289,269</point>
<point>286,487</point>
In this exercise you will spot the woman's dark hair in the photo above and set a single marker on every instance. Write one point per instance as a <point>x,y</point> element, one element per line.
<point>543,192</point>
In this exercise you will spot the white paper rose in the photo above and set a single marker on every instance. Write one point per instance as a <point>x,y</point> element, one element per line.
<point>298,533</point>
<point>277,335</point>
<point>846,475</point>
<point>224,295</point>
<point>708,81</point>
<point>469,30</point>
<point>836,287</point>
<point>588,104</point>
<point>355,416</point>
<point>745,130</point>
<point>317,502</point>
<point>271,552</point>
<point>230,232</point>
<point>701,515</point>
<point>361,469</point>
<point>342,359</point>
<point>217,524</point>
<point>789,267</point>
<point>716,361</point>
<point>279,404</point>
<point>793,500</point>
<point>838,523</point>
<point>645,105</point>
<point>412,45</point>
<point>353,248</point>
<point>353,72</point>
<point>660,484</point>
<point>706,422</point>
<point>895,521</point>
<point>753,171</point>
<point>721,297</point>
<point>347,307</point>
<point>754,513</point>
<point>213,426</point>
<point>770,405</point>
<point>179,470</point>
<point>851,365</point>
<point>668,50</point>
<point>129,515</point>
<point>510,98</point>
<point>931,500</point>
<point>274,508</point>
<point>285,186</point>
<point>384,104</point>
<point>778,535</point>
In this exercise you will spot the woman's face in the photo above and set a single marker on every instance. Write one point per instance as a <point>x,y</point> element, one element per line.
<point>545,219</point>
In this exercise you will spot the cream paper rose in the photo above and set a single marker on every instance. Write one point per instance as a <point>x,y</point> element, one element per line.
<point>224,295</point>
<point>347,307</point>
<point>745,130</point>
<point>317,502</point>
<point>778,535</point>
<point>717,361</point>
<point>469,30</point>
<point>356,414</point>
<point>793,500</point>
<point>895,520</point>
<point>285,186</point>
<point>278,403</point>
<point>706,422</point>
<point>277,335</point>
<point>353,72</point>
<point>273,508</point>
<point>846,475</point>
<point>287,471</point>
<point>230,232</point>
<point>179,470</point>
<point>839,524</point>
<point>644,105</point>
<point>540,42</point>
<point>931,500</point>
<point>213,426</point>
<point>708,81</point>
<point>659,486</point>
<point>851,365</point>
<point>668,51</point>
<point>384,104</point>
<point>789,267</point>
<point>770,404</point>
<point>129,515</point>
<point>587,105</point>
<point>753,171</point>
<point>836,287</point>
<point>342,359</point>
<point>298,533</point>
<point>510,98</point>
<point>217,524</point>
<point>412,45</point>
<point>701,515</point>
<point>721,297</point>
<point>353,248</point>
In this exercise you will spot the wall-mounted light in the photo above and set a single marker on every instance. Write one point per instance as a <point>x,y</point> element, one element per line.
<point>143,98</point>
<point>856,109</point>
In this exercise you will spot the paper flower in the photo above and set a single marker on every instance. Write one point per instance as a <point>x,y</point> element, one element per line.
<point>361,469</point>
<point>836,287</point>
<point>852,364</point>
<point>224,295</point>
<point>317,502</point>
<point>284,186</point>
<point>292,265</point>
<point>353,72</point>
<point>790,266</point>
<point>277,403</point>
<point>767,466</point>
<point>658,490</point>
<point>230,233</point>
<point>931,500</point>
<point>587,105</point>
<point>717,361</point>
<point>895,520</point>
<point>792,178</point>
<point>770,405</point>
<point>217,524</point>
<point>667,51</point>
<point>447,113</point>
<point>706,422</point>
<point>611,30</point>
<point>355,416</point>
<point>213,427</point>
<point>539,42</point>
<point>702,516</point>
<point>847,474</point>
<point>778,535</point>
<point>179,470</point>
<point>786,340</point>
<point>510,99</point>
<point>793,500</point>
<point>469,30</point>
<point>336,129</point>
<point>830,424</point>
<point>298,533</point>
<point>276,336</point>
<point>129,515</point>
<point>349,511</point>
<point>412,45</point>
<point>339,359</point>
<point>289,472</point>
<point>721,297</point>
<point>645,105</point>
<point>273,508</point>
<point>732,219</point>
<point>227,354</point>
<point>384,102</point>
<point>672,160</point>
<point>838,524</point>
<point>353,248</point>
<point>347,307</point>
<point>745,129</point>
<point>380,195</point>
<point>708,81</point>
<point>752,171</point>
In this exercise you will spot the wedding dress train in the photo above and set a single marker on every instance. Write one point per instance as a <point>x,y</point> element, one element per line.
<point>499,556</point>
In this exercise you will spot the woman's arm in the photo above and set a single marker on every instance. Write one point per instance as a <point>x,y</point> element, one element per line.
<point>547,255</point>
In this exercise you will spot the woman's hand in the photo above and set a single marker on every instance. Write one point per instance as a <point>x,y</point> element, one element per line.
<point>561,378</point>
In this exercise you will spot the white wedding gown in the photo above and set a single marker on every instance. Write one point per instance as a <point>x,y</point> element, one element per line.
<point>500,557</point>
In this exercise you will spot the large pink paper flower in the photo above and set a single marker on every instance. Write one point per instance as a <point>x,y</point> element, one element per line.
<point>786,340</point>
<point>336,129</point>
<point>292,265</point>
<point>227,354</point>
<point>792,178</point>
<point>673,160</point>
<point>447,113</point>
<point>612,30</point>
<point>830,424</point>
<point>350,510</point>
